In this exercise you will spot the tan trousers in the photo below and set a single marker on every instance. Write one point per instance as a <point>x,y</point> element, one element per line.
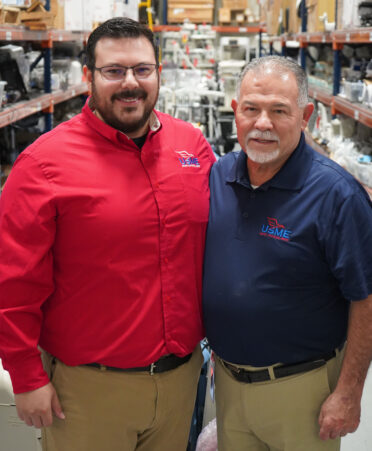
<point>277,415</point>
<point>118,411</point>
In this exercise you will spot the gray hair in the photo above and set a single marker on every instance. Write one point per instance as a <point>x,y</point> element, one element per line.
<point>282,66</point>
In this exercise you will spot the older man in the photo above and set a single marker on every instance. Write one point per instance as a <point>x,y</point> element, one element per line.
<point>288,276</point>
<point>102,226</point>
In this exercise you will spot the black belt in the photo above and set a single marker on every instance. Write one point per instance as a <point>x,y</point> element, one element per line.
<point>243,375</point>
<point>166,363</point>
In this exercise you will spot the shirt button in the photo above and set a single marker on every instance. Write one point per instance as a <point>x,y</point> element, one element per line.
<point>245,214</point>
<point>164,222</point>
<point>252,195</point>
<point>166,260</point>
<point>167,298</point>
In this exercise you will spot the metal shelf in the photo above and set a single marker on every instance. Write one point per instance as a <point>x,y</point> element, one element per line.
<point>354,110</point>
<point>340,105</point>
<point>19,33</point>
<point>321,95</point>
<point>357,36</point>
<point>314,38</point>
<point>26,108</point>
<point>217,28</point>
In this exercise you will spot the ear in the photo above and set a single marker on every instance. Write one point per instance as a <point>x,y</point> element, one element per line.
<point>308,111</point>
<point>234,105</point>
<point>88,74</point>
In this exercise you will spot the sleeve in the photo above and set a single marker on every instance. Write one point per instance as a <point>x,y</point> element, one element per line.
<point>27,230</point>
<point>348,242</point>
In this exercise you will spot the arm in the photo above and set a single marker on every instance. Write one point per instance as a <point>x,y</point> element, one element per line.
<point>27,230</point>
<point>340,413</point>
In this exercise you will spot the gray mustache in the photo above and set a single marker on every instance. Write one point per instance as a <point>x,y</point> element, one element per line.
<point>262,135</point>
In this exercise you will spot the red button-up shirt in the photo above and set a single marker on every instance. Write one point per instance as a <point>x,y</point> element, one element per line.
<point>101,247</point>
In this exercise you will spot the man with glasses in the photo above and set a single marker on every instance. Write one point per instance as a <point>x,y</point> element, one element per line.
<point>102,225</point>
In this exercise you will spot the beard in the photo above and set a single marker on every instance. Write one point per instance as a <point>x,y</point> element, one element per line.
<point>260,156</point>
<point>112,119</point>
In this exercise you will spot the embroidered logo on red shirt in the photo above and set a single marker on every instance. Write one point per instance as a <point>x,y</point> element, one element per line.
<point>275,230</point>
<point>188,160</point>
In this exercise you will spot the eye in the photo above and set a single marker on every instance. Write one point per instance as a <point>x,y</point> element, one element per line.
<point>278,111</point>
<point>250,109</point>
<point>143,70</point>
<point>113,71</point>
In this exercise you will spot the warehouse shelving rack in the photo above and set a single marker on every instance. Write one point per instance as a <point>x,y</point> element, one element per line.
<point>46,101</point>
<point>222,29</point>
<point>337,39</point>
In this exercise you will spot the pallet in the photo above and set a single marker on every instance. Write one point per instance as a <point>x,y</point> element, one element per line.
<point>9,15</point>
<point>36,17</point>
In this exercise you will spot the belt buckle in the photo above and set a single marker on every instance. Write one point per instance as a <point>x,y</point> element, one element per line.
<point>152,367</point>
<point>233,369</point>
<point>240,374</point>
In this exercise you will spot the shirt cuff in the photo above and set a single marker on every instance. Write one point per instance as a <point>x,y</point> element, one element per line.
<point>27,376</point>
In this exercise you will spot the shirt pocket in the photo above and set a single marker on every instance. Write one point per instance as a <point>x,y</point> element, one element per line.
<point>196,188</point>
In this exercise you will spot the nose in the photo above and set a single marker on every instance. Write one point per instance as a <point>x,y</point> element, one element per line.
<point>129,79</point>
<point>263,121</point>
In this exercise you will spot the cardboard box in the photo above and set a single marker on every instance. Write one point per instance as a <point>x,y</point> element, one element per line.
<point>57,7</point>
<point>293,24</point>
<point>224,15</point>
<point>316,9</point>
<point>195,13</point>
<point>235,4</point>
<point>271,16</point>
<point>240,18</point>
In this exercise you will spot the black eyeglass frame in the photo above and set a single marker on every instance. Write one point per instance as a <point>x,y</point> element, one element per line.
<point>126,68</point>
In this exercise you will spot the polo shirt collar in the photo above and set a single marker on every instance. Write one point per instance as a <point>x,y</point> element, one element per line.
<point>109,132</point>
<point>291,176</point>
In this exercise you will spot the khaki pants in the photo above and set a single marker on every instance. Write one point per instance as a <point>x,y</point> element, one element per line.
<point>118,411</point>
<point>277,415</point>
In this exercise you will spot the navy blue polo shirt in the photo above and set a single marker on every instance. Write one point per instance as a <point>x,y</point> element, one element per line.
<point>283,261</point>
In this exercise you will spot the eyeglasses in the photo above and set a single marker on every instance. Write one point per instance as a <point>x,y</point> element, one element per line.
<point>116,73</point>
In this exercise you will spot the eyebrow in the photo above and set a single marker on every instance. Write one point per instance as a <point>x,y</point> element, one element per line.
<point>275,105</point>
<point>122,65</point>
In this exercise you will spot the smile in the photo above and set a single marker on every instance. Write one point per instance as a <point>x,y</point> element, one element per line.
<point>129,99</point>
<point>263,141</point>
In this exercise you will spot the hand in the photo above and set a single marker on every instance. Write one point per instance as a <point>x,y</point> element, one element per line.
<point>36,407</point>
<point>339,415</point>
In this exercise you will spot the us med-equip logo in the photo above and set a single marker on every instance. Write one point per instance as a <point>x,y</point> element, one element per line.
<point>188,160</point>
<point>275,230</point>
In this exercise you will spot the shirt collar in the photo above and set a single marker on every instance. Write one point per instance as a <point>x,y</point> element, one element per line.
<point>112,133</point>
<point>291,176</point>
